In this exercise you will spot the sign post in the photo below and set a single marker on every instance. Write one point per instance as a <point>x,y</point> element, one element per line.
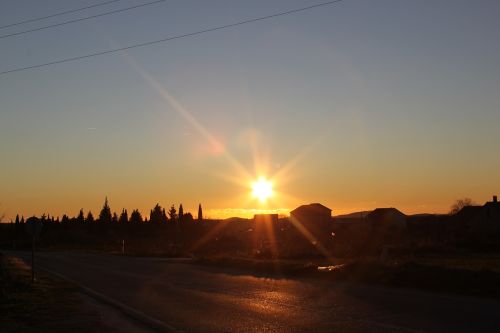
<point>33,258</point>
<point>33,227</point>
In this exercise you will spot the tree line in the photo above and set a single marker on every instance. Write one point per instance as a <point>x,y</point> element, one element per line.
<point>157,215</point>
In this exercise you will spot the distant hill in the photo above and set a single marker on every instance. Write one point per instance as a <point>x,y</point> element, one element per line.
<point>426,215</point>
<point>236,219</point>
<point>354,215</point>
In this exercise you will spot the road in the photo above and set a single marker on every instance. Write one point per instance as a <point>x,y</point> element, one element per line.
<point>195,298</point>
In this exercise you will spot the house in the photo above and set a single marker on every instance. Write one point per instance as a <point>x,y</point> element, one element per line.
<point>480,219</point>
<point>313,213</point>
<point>491,210</point>
<point>387,218</point>
<point>315,218</point>
<point>315,226</point>
<point>463,218</point>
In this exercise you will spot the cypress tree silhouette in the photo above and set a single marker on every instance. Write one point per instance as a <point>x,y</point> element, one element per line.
<point>164,216</point>
<point>181,213</point>
<point>16,231</point>
<point>105,214</point>
<point>114,219</point>
<point>200,213</point>
<point>80,218</point>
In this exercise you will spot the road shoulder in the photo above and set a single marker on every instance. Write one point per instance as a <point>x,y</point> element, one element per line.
<point>52,305</point>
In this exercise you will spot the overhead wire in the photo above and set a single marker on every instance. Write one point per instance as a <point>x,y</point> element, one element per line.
<point>81,19</point>
<point>167,39</point>
<point>58,14</point>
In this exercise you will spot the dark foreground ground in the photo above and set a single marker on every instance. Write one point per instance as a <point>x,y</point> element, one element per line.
<point>53,305</point>
<point>194,298</point>
<point>468,275</point>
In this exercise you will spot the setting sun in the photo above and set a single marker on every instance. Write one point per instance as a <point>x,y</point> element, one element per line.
<point>262,189</point>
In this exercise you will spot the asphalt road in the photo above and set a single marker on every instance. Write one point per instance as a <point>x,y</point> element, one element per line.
<point>194,298</point>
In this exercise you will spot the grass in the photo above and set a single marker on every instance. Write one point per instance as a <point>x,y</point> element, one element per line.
<point>267,266</point>
<point>49,305</point>
<point>479,277</point>
<point>473,262</point>
<point>482,283</point>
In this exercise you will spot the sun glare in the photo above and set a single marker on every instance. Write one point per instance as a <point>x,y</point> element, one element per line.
<point>262,189</point>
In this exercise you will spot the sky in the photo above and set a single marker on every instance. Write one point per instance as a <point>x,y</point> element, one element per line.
<point>356,105</point>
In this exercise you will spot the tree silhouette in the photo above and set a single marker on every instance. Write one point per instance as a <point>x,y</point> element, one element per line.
<point>181,213</point>
<point>200,213</point>
<point>33,219</point>
<point>114,219</point>
<point>461,203</point>
<point>164,216</point>
<point>135,216</point>
<point>105,214</point>
<point>172,213</point>
<point>65,219</point>
<point>80,218</point>
<point>157,214</point>
<point>123,216</point>
<point>188,218</point>
<point>16,230</point>
<point>90,217</point>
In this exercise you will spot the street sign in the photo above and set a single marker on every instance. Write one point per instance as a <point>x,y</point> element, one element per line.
<point>33,226</point>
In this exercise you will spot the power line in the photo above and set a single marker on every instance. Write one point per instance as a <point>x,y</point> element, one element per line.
<point>199,32</point>
<point>58,14</point>
<point>81,19</point>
